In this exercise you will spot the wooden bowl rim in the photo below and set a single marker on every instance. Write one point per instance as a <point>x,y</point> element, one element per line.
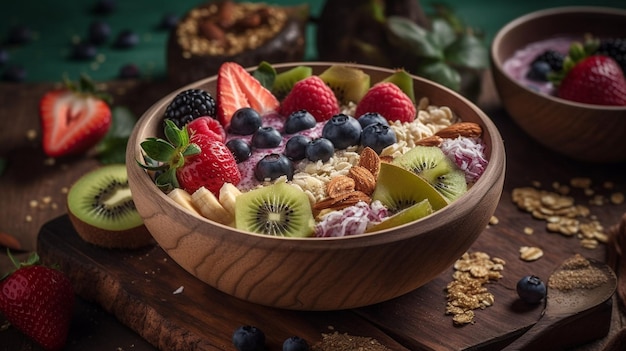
<point>457,209</point>
<point>497,60</point>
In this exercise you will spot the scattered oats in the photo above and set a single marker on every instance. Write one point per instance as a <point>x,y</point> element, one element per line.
<point>54,206</point>
<point>345,342</point>
<point>597,200</point>
<point>31,134</point>
<point>530,253</point>
<point>466,292</point>
<point>580,182</point>
<point>178,291</point>
<point>28,218</point>
<point>528,230</point>
<point>46,200</point>
<point>589,192</point>
<point>589,243</point>
<point>536,183</point>
<point>608,185</point>
<point>617,198</point>
<point>64,190</point>
<point>494,220</point>
<point>33,203</point>
<point>49,161</point>
<point>563,190</point>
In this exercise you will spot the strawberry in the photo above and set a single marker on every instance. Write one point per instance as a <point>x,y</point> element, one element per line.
<point>190,162</point>
<point>207,126</point>
<point>594,80</point>
<point>313,95</point>
<point>39,301</point>
<point>73,118</point>
<point>389,100</point>
<point>237,88</point>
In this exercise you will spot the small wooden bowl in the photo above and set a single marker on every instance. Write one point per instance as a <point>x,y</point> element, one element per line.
<point>579,131</point>
<point>320,273</point>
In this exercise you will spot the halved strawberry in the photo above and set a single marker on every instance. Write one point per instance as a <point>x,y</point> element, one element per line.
<point>73,118</point>
<point>237,88</point>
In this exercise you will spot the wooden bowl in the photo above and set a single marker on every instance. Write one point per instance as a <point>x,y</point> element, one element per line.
<point>320,273</point>
<point>579,131</point>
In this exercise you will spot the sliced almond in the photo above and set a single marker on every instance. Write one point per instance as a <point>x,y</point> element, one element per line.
<point>433,140</point>
<point>464,129</point>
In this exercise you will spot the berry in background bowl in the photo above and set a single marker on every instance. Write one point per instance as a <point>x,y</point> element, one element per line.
<point>560,75</point>
<point>266,229</point>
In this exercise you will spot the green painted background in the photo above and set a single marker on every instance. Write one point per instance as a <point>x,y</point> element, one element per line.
<point>57,22</point>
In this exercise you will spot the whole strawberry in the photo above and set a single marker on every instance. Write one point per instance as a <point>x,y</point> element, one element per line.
<point>313,95</point>
<point>73,118</point>
<point>190,162</point>
<point>389,100</point>
<point>594,80</point>
<point>39,301</point>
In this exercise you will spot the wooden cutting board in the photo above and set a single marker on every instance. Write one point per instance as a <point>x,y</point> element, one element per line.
<point>172,310</point>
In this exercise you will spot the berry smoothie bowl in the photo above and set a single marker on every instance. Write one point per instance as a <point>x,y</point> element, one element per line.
<point>575,110</point>
<point>305,206</point>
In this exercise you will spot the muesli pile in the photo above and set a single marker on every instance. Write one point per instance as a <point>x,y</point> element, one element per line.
<point>298,154</point>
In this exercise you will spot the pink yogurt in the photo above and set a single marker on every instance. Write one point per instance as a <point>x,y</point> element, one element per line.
<point>518,65</point>
<point>246,168</point>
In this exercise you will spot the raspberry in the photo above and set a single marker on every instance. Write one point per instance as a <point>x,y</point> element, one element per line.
<point>189,105</point>
<point>388,100</point>
<point>313,95</point>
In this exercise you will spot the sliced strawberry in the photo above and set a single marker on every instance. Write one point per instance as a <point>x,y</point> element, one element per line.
<point>237,88</point>
<point>72,121</point>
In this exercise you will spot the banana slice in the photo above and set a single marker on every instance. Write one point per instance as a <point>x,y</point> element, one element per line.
<point>209,206</point>
<point>228,195</point>
<point>183,198</point>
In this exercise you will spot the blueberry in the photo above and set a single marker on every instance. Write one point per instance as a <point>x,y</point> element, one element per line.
<point>295,148</point>
<point>240,149</point>
<point>320,149</point>
<point>272,166</point>
<point>245,121</point>
<point>14,73</point>
<point>298,121</point>
<point>19,34</point>
<point>249,338</point>
<point>168,21</point>
<point>531,289</point>
<point>4,56</point>
<point>295,343</point>
<point>539,71</point>
<point>377,136</point>
<point>84,51</point>
<point>342,130</point>
<point>126,39</point>
<point>266,138</point>
<point>99,32</point>
<point>371,117</point>
<point>129,71</point>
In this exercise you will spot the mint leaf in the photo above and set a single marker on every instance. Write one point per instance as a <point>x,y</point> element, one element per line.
<point>442,74</point>
<point>406,34</point>
<point>443,34</point>
<point>112,148</point>
<point>468,51</point>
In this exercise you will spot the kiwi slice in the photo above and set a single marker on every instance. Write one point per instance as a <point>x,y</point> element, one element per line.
<point>404,81</point>
<point>436,168</point>
<point>348,83</point>
<point>398,189</point>
<point>102,210</point>
<point>279,209</point>
<point>284,81</point>
<point>409,214</point>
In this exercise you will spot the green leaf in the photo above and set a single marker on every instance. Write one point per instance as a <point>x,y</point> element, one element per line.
<point>406,34</point>
<point>442,74</point>
<point>191,149</point>
<point>265,74</point>
<point>167,180</point>
<point>468,51</point>
<point>158,149</point>
<point>112,148</point>
<point>177,136</point>
<point>442,33</point>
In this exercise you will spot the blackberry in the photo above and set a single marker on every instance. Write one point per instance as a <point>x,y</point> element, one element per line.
<point>189,105</point>
<point>616,49</point>
<point>544,63</point>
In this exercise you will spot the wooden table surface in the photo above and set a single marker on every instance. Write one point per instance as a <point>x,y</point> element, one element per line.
<point>30,177</point>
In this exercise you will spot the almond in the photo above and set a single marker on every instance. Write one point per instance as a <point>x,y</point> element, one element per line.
<point>464,129</point>
<point>226,14</point>
<point>364,180</point>
<point>370,160</point>
<point>211,31</point>
<point>339,185</point>
<point>341,202</point>
<point>433,140</point>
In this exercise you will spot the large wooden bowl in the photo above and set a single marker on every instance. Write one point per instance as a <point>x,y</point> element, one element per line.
<point>579,131</point>
<point>320,273</point>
